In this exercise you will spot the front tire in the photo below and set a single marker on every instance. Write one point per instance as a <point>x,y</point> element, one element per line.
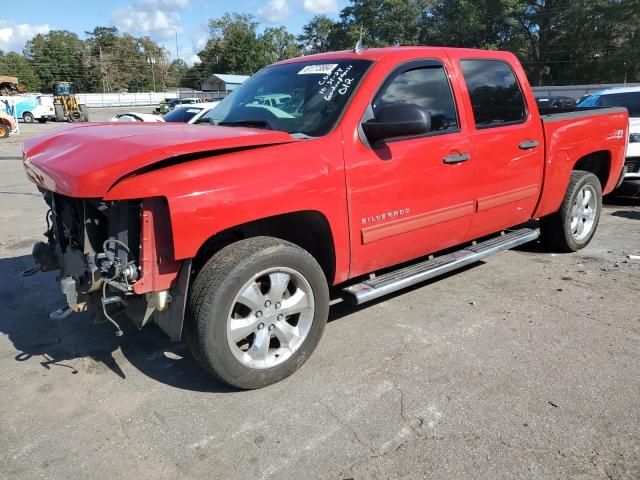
<point>59,112</point>
<point>256,312</point>
<point>572,227</point>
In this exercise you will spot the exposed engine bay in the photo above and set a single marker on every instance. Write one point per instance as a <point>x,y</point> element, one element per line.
<point>96,245</point>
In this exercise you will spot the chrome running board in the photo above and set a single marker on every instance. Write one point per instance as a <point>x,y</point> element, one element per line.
<point>405,277</point>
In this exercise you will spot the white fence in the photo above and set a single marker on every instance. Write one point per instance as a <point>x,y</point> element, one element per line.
<point>123,99</point>
<point>142,98</point>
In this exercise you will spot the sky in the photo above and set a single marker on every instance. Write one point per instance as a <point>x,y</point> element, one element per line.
<point>159,19</point>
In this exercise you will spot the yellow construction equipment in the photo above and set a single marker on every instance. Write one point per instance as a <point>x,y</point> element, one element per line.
<point>66,104</point>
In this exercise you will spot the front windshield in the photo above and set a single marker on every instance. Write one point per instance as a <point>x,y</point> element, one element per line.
<point>183,114</point>
<point>589,101</point>
<point>303,97</point>
<point>63,89</point>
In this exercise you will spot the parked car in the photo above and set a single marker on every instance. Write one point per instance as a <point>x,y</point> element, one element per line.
<point>231,235</point>
<point>186,113</point>
<point>172,103</point>
<point>35,107</point>
<point>554,103</point>
<point>204,114</point>
<point>162,108</point>
<point>629,98</point>
<point>272,100</point>
<point>137,117</point>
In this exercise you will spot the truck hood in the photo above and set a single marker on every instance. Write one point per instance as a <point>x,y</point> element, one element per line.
<point>85,161</point>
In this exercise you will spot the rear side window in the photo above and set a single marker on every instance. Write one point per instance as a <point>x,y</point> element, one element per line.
<point>629,100</point>
<point>496,97</point>
<point>427,87</point>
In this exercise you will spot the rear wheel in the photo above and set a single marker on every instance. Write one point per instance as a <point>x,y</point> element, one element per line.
<point>256,312</point>
<point>572,227</point>
<point>4,131</point>
<point>28,117</point>
<point>75,116</point>
<point>85,113</point>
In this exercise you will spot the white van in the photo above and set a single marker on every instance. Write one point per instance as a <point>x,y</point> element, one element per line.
<point>35,107</point>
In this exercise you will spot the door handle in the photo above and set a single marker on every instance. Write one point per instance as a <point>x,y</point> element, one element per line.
<point>528,145</point>
<point>456,158</point>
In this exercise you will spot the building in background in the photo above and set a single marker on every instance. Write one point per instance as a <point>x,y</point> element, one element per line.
<point>221,84</point>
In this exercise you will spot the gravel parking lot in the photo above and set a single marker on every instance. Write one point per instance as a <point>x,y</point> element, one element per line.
<point>526,366</point>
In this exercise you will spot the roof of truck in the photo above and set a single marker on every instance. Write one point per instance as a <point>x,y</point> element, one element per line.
<point>375,54</point>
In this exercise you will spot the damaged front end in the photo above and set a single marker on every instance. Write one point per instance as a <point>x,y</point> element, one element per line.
<point>115,258</point>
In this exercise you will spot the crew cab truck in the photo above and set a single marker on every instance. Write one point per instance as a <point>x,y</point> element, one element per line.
<point>231,235</point>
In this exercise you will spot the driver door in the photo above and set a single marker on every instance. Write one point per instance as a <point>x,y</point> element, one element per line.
<point>410,196</point>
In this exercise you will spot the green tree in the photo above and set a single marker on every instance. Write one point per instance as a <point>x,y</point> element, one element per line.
<point>383,23</point>
<point>177,72</point>
<point>16,65</point>
<point>558,41</point>
<point>468,23</point>
<point>194,75</point>
<point>564,42</point>
<point>233,45</point>
<point>56,56</point>
<point>278,44</point>
<point>317,35</point>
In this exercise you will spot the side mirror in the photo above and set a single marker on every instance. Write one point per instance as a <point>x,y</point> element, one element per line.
<point>397,120</point>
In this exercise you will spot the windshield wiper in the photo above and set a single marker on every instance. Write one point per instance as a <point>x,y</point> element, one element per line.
<point>248,123</point>
<point>301,136</point>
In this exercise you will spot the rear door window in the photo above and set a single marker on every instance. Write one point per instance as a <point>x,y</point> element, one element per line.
<point>496,97</point>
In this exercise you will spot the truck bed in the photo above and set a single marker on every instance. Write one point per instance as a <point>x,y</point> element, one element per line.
<point>572,135</point>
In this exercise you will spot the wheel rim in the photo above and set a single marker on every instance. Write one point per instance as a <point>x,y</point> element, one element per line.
<point>270,318</point>
<point>583,213</point>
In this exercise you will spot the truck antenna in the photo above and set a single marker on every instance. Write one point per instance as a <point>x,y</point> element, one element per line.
<point>359,45</point>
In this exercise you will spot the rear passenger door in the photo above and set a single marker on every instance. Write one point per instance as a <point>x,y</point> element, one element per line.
<point>508,141</point>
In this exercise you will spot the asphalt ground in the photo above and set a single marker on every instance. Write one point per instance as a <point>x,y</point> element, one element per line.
<point>524,366</point>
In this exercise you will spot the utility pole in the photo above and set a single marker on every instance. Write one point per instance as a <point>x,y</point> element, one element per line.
<point>152,61</point>
<point>177,56</point>
<point>177,50</point>
<point>101,69</point>
<point>625,74</point>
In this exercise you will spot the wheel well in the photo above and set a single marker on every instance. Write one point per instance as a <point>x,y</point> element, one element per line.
<point>308,229</point>
<point>598,163</point>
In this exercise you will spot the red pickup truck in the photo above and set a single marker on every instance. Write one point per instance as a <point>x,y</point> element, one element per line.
<point>326,171</point>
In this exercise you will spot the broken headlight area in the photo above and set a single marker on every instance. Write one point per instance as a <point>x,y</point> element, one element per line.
<point>96,247</point>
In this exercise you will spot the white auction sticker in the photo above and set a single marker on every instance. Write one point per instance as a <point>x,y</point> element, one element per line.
<point>324,69</point>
